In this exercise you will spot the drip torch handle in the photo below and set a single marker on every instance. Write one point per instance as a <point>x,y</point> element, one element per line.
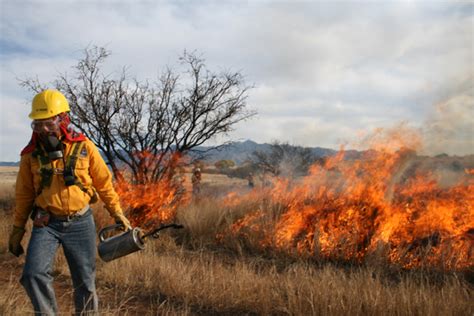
<point>106,229</point>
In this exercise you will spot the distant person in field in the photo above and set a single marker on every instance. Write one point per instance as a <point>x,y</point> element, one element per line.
<point>61,172</point>
<point>196,181</point>
<point>251,180</point>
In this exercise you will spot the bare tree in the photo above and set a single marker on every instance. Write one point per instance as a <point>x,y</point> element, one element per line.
<point>147,126</point>
<point>283,158</point>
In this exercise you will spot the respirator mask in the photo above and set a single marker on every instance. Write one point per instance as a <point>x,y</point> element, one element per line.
<point>53,147</point>
<point>49,131</point>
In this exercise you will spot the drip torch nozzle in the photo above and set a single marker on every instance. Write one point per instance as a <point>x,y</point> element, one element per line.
<point>155,232</point>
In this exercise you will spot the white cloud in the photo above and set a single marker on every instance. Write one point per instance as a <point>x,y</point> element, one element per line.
<point>322,70</point>
<point>15,130</point>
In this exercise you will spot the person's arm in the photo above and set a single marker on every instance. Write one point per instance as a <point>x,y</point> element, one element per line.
<point>24,200</point>
<point>102,182</point>
<point>24,192</point>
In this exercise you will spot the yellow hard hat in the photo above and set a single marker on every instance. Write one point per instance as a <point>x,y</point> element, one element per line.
<point>48,103</point>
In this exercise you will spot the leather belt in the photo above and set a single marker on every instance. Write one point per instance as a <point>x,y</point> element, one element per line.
<point>72,217</point>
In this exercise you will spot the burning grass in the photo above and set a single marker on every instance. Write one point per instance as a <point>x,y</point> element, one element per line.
<point>384,205</point>
<point>350,210</point>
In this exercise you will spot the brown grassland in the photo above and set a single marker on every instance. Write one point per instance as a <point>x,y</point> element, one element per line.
<point>187,272</point>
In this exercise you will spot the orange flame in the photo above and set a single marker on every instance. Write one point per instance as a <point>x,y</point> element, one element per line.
<point>351,209</point>
<point>150,203</point>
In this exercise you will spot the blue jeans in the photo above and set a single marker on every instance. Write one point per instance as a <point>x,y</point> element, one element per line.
<point>77,237</point>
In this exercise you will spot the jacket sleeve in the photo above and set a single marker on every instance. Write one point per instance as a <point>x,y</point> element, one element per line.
<point>102,180</point>
<point>24,192</point>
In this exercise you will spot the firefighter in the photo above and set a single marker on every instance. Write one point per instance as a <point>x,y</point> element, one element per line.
<point>251,181</point>
<point>61,171</point>
<point>196,181</point>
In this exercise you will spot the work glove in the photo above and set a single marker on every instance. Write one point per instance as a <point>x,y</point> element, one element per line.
<point>121,219</point>
<point>14,242</point>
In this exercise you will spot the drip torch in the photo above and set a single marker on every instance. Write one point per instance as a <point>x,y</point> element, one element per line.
<point>127,242</point>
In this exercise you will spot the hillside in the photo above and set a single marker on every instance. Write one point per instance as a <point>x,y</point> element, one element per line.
<point>239,152</point>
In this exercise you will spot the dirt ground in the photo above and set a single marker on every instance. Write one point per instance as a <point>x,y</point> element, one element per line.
<point>10,273</point>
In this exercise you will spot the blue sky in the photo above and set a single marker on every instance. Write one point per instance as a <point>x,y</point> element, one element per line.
<point>324,72</point>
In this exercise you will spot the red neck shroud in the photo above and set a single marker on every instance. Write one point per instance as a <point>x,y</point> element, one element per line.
<point>67,131</point>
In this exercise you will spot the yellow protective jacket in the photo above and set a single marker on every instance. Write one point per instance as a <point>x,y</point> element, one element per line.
<point>57,198</point>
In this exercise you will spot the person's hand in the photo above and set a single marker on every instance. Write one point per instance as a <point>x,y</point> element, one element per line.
<point>14,242</point>
<point>121,219</point>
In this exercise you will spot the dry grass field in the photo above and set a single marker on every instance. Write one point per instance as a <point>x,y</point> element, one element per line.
<point>187,272</point>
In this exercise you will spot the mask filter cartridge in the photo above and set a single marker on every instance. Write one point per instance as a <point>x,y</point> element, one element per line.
<point>54,147</point>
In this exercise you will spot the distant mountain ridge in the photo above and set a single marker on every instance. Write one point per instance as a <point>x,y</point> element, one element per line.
<point>9,163</point>
<point>241,151</point>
